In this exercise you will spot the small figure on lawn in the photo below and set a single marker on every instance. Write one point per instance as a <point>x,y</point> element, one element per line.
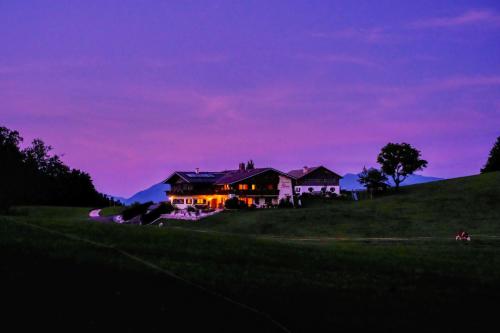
<point>463,236</point>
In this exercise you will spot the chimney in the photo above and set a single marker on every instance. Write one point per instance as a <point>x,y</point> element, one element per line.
<point>197,170</point>
<point>242,167</point>
<point>305,170</point>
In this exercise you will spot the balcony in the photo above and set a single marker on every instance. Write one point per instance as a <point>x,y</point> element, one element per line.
<point>255,192</point>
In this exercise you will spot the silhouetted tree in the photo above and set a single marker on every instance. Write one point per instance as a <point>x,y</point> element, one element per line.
<point>493,163</point>
<point>399,160</point>
<point>11,167</point>
<point>35,176</point>
<point>373,179</point>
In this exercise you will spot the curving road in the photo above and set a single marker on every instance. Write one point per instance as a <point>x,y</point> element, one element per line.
<point>95,215</point>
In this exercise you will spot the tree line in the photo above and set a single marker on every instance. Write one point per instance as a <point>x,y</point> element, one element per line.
<point>36,176</point>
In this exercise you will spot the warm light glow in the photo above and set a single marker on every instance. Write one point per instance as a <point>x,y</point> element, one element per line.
<point>254,187</point>
<point>212,201</point>
<point>243,187</point>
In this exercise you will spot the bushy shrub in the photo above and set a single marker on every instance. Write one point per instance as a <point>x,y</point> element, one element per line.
<point>163,208</point>
<point>285,203</point>
<point>135,210</point>
<point>235,203</point>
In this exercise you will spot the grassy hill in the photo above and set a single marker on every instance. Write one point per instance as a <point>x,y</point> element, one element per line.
<point>62,271</point>
<point>437,209</point>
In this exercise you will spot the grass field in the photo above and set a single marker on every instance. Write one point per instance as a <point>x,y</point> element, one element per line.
<point>108,211</point>
<point>64,272</point>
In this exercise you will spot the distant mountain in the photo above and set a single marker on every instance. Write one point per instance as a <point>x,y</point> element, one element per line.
<point>350,181</point>
<point>155,193</point>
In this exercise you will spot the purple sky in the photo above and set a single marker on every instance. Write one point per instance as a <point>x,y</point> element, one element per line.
<point>132,90</point>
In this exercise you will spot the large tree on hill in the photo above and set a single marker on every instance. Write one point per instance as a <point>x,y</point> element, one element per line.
<point>399,160</point>
<point>493,163</point>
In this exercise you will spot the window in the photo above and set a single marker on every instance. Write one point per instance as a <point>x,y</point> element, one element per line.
<point>178,201</point>
<point>253,187</point>
<point>270,187</point>
<point>227,187</point>
<point>189,201</point>
<point>243,187</point>
<point>201,201</point>
<point>332,189</point>
<point>297,189</point>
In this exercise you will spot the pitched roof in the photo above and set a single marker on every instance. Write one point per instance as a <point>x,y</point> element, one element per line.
<point>299,173</point>
<point>200,177</point>
<point>233,176</point>
<point>220,178</point>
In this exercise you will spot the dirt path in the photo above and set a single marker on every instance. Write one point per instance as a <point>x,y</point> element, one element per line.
<point>95,213</point>
<point>349,239</point>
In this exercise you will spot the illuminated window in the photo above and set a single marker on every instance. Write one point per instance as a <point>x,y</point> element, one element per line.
<point>189,201</point>
<point>226,186</point>
<point>254,187</point>
<point>201,201</point>
<point>243,187</point>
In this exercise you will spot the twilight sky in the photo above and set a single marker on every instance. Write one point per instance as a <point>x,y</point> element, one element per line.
<point>132,90</point>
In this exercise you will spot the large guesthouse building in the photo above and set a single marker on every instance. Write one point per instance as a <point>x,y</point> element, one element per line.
<point>261,187</point>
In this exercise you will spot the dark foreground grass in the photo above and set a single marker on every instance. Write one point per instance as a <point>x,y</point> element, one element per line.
<point>67,284</point>
<point>436,209</point>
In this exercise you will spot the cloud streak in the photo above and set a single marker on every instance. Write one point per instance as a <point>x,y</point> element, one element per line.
<point>471,17</point>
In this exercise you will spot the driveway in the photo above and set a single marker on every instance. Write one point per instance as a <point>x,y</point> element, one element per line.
<point>95,216</point>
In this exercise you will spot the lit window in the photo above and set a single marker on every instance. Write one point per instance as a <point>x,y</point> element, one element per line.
<point>243,187</point>
<point>189,201</point>
<point>201,201</point>
<point>254,187</point>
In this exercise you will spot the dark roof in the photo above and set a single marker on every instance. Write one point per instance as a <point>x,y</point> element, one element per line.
<point>299,173</point>
<point>220,178</point>
<point>200,177</point>
<point>233,176</point>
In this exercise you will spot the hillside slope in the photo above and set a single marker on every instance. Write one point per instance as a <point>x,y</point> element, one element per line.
<point>437,209</point>
<point>62,271</point>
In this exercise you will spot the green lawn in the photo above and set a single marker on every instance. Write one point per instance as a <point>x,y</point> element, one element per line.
<point>436,209</point>
<point>66,283</point>
<point>108,211</point>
